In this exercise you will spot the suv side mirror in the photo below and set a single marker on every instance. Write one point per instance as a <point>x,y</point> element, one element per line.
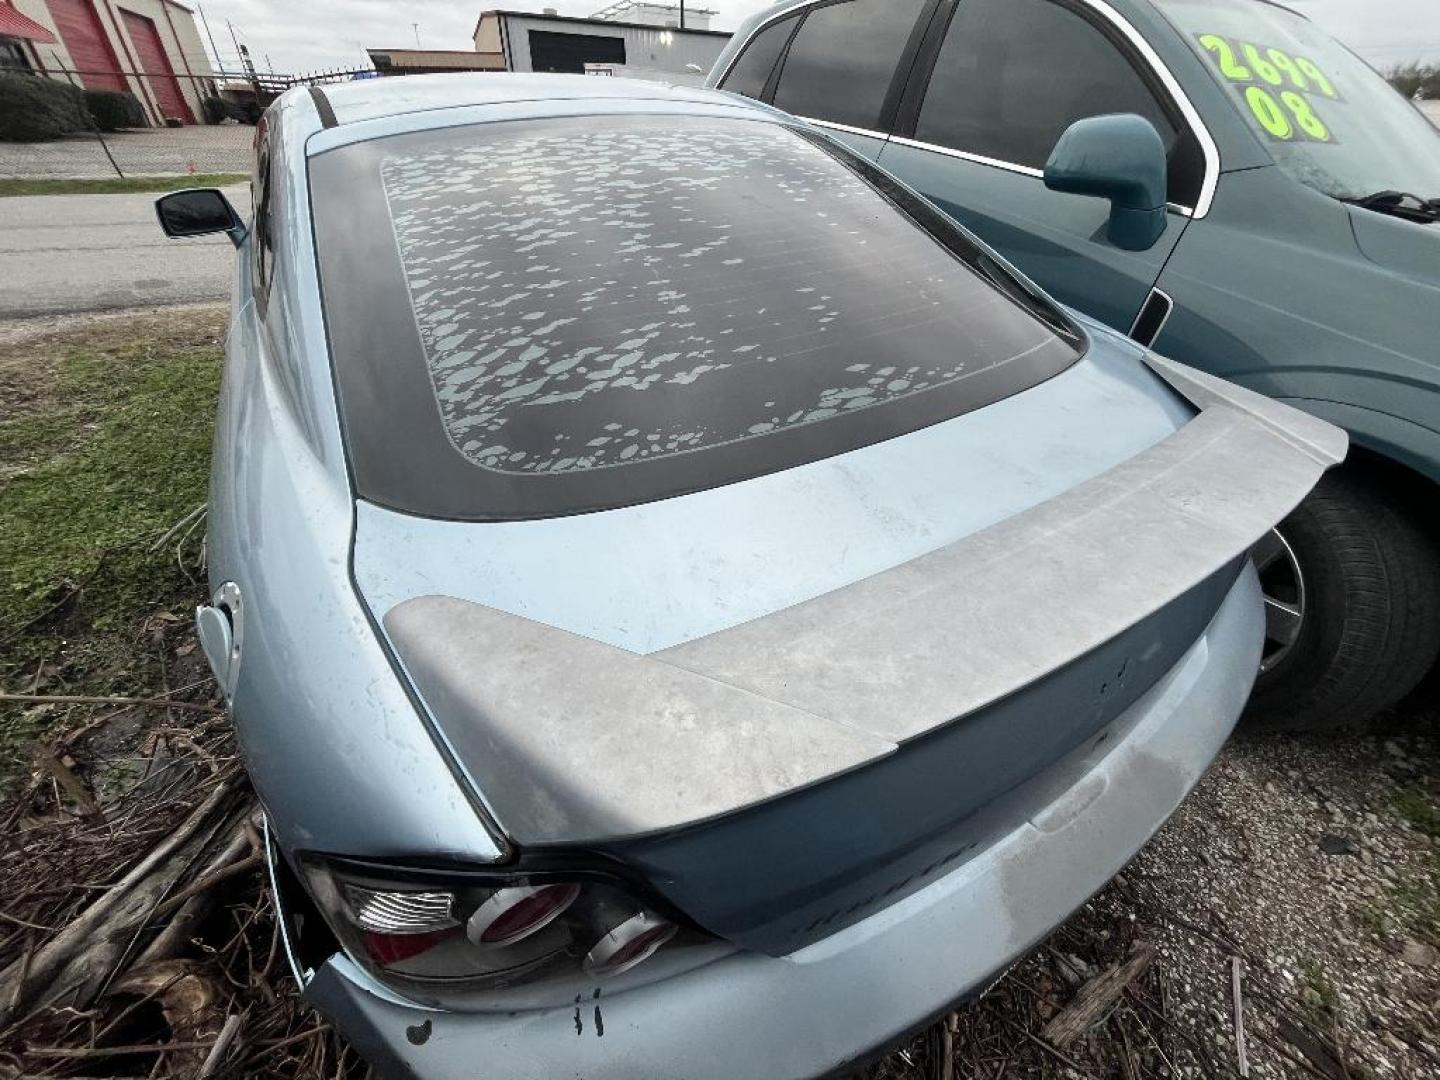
<point>199,212</point>
<point>1119,157</point>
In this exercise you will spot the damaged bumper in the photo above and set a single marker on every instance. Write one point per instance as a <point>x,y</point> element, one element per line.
<point>817,1009</point>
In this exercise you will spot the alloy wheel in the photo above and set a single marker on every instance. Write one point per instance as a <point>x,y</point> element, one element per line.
<point>1283,584</point>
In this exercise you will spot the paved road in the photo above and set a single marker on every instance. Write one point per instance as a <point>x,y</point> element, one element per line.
<point>71,253</point>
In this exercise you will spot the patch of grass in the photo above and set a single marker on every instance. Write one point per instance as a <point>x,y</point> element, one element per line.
<point>1417,903</point>
<point>1321,996</point>
<point>1419,807</point>
<point>104,445</point>
<point>117,185</point>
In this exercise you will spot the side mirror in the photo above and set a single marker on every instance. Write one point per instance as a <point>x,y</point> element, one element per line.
<point>199,212</point>
<point>1118,157</point>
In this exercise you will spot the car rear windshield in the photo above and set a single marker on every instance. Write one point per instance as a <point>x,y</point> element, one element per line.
<point>544,317</point>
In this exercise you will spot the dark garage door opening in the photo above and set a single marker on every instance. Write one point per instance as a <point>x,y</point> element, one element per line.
<point>569,53</point>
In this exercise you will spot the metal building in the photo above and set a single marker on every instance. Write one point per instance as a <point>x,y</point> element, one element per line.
<point>150,48</point>
<point>548,42</point>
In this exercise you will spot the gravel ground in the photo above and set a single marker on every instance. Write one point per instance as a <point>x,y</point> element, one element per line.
<point>1300,852</point>
<point>1315,861</point>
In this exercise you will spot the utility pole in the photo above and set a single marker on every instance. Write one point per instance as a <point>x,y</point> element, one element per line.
<point>416,27</point>
<point>682,14</point>
<point>235,41</point>
<point>220,64</point>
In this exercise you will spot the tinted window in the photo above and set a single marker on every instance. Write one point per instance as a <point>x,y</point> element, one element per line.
<point>1012,75</point>
<point>842,61</point>
<point>263,227</point>
<point>751,72</point>
<point>560,315</point>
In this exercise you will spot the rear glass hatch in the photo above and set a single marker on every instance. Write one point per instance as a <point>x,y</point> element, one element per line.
<point>546,317</point>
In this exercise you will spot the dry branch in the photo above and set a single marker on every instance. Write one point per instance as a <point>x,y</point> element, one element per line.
<point>1096,997</point>
<point>80,957</point>
<point>86,699</point>
<point>1242,1064</point>
<point>222,1045</point>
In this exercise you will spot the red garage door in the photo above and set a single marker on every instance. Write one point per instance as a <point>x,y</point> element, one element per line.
<point>159,75</point>
<point>85,41</point>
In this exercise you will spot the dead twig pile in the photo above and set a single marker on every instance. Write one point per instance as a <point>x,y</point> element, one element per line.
<point>137,934</point>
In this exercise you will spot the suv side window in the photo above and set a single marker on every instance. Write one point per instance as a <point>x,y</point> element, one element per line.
<point>750,74</point>
<point>843,59</point>
<point>1012,75</point>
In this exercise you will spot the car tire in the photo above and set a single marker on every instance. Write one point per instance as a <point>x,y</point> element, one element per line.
<point>1369,605</point>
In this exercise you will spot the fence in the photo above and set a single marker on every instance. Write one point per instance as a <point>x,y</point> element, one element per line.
<point>183,125</point>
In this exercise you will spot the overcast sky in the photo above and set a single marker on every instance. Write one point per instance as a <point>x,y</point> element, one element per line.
<point>306,35</point>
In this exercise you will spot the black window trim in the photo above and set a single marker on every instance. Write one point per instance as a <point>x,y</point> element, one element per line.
<point>1141,55</point>
<point>767,92</point>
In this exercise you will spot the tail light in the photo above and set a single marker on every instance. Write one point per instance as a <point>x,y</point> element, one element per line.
<point>631,943</point>
<point>398,926</point>
<point>455,935</point>
<point>511,915</point>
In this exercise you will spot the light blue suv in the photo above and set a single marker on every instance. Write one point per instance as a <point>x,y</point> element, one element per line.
<point>1293,248</point>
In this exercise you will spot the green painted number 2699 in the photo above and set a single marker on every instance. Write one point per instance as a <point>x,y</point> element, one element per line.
<point>1275,86</point>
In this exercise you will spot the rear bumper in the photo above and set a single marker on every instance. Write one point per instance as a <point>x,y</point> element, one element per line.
<point>813,1011</point>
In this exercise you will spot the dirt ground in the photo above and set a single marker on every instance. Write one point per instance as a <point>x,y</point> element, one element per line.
<point>1309,865</point>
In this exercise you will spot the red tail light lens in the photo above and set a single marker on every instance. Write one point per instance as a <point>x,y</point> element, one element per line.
<point>628,945</point>
<point>388,949</point>
<point>511,915</point>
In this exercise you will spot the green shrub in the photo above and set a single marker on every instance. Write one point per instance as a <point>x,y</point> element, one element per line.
<point>33,108</point>
<point>1416,79</point>
<point>114,109</point>
<point>214,109</point>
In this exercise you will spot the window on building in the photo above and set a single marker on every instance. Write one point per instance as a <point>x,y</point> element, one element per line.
<point>1012,75</point>
<point>751,72</point>
<point>843,59</point>
<point>569,53</point>
<point>12,56</point>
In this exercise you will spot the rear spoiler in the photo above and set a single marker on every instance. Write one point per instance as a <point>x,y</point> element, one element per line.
<point>577,742</point>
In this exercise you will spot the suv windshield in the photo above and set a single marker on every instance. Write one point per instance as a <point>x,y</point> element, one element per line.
<point>544,317</point>
<point>1328,118</point>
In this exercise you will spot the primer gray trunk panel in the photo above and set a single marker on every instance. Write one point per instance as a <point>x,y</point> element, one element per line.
<point>572,741</point>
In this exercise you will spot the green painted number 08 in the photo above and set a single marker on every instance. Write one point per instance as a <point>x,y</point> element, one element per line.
<point>1275,120</point>
<point>1265,109</point>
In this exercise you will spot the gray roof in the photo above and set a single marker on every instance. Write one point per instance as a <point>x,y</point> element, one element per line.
<point>369,99</point>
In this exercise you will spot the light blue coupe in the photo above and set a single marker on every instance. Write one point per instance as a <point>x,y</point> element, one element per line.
<point>689,609</point>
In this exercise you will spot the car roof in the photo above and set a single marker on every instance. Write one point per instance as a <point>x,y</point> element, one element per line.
<point>371,99</point>
<point>783,6</point>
